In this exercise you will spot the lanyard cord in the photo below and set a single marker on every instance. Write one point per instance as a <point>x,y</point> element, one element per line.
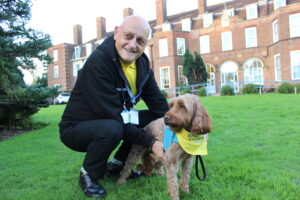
<point>199,158</point>
<point>131,95</point>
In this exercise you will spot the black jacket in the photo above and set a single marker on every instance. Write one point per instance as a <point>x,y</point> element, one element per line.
<point>100,90</point>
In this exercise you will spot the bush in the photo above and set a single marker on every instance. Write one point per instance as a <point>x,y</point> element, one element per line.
<point>285,88</point>
<point>227,90</point>
<point>251,89</point>
<point>298,88</point>
<point>184,91</point>
<point>164,93</point>
<point>202,92</point>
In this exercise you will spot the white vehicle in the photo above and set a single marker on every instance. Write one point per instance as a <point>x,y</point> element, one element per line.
<point>62,98</point>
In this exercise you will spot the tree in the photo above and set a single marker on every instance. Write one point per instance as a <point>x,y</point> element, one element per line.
<point>194,69</point>
<point>19,44</point>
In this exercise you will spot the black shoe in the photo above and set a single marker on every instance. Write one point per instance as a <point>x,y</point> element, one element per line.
<point>90,187</point>
<point>113,169</point>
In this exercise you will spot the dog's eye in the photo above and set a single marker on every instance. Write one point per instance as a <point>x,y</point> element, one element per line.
<point>181,105</point>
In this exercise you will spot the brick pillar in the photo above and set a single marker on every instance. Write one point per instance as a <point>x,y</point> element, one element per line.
<point>127,12</point>
<point>202,7</point>
<point>77,33</point>
<point>101,27</point>
<point>161,11</point>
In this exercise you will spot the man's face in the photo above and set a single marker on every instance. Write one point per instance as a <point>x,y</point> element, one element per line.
<point>131,40</point>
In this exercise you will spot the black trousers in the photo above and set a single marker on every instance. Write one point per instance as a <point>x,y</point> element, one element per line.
<point>98,138</point>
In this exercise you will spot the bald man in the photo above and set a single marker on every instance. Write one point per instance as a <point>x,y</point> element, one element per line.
<point>101,112</point>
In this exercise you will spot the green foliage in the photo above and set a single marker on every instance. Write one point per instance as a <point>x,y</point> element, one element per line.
<point>251,88</point>
<point>202,92</point>
<point>194,69</point>
<point>184,91</point>
<point>227,90</point>
<point>285,88</point>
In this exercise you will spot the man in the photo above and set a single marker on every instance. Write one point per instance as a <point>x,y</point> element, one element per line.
<point>100,111</point>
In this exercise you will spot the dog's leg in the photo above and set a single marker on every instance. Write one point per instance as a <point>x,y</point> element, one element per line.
<point>187,164</point>
<point>172,162</point>
<point>135,154</point>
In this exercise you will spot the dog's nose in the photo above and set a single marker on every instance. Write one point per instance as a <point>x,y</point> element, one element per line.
<point>167,118</point>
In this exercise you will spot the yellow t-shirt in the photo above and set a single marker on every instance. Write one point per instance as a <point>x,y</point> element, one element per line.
<point>130,73</point>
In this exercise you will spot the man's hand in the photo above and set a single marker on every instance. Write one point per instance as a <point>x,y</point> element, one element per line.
<point>157,149</point>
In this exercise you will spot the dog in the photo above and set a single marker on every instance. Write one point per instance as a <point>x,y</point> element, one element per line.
<point>185,112</point>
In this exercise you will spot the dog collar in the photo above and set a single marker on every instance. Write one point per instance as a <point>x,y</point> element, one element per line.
<point>190,143</point>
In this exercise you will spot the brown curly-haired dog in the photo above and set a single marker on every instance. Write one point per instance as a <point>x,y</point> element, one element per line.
<point>186,112</point>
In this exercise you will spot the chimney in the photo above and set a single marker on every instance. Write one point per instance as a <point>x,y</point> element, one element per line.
<point>161,11</point>
<point>202,7</point>
<point>77,33</point>
<point>101,27</point>
<point>127,12</point>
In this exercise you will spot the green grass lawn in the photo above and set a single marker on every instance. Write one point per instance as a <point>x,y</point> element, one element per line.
<point>254,153</point>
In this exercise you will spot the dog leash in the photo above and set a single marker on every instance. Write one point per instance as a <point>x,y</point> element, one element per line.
<point>199,159</point>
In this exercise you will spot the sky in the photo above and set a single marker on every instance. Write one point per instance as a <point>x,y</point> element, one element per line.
<point>57,17</point>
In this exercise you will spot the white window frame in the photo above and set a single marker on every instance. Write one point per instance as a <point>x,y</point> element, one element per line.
<point>186,24</point>
<point>251,37</point>
<point>279,4</point>
<point>295,63</point>
<point>251,11</point>
<point>55,55</point>
<point>180,44</point>
<point>204,44</point>
<point>252,71</point>
<point>163,47</point>
<point>162,77</point>
<point>207,20</point>
<point>77,51</point>
<point>55,71</point>
<point>76,68</point>
<point>277,67</point>
<point>166,27</point>
<point>226,41</point>
<point>182,79</point>
<point>294,21</point>
<point>275,31</point>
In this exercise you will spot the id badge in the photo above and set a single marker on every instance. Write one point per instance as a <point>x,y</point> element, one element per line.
<point>126,116</point>
<point>134,116</point>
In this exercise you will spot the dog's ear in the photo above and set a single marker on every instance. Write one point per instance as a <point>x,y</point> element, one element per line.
<point>202,122</point>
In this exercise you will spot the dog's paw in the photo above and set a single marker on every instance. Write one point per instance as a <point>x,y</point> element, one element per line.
<point>121,181</point>
<point>185,188</point>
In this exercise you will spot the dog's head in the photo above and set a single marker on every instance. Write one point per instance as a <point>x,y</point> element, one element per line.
<point>186,111</point>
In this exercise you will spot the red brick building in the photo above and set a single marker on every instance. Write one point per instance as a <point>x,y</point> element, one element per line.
<point>242,41</point>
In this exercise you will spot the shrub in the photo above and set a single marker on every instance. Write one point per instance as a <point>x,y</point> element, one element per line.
<point>285,88</point>
<point>251,89</point>
<point>298,88</point>
<point>164,93</point>
<point>184,91</point>
<point>227,90</point>
<point>202,92</point>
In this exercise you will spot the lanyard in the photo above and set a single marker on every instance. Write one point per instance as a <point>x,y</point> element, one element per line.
<point>131,95</point>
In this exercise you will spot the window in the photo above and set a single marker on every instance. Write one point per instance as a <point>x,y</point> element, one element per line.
<point>55,55</point>
<point>55,71</point>
<point>253,71</point>
<point>164,77</point>
<point>275,31</point>
<point>250,34</point>
<point>226,16</point>
<point>180,46</point>
<point>186,24</point>
<point>163,47</point>
<point>279,4</point>
<point>295,64</point>
<point>207,20</point>
<point>204,44</point>
<point>147,52</point>
<point>89,49</point>
<point>182,80</point>
<point>226,41</point>
<point>277,66</point>
<point>166,27</point>
<point>251,11</point>
<point>76,68</point>
<point>294,25</point>
<point>77,52</point>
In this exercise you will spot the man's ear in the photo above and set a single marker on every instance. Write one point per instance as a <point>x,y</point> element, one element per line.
<point>116,31</point>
